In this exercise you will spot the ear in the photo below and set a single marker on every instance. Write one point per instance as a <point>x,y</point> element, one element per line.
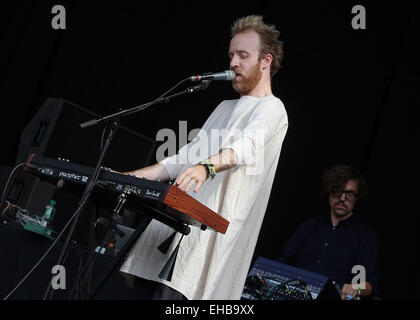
<point>266,61</point>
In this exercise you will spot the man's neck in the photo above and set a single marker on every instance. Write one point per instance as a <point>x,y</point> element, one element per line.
<point>336,220</point>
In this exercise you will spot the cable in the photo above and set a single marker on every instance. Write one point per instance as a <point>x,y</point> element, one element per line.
<point>102,138</point>
<point>83,276</point>
<point>146,106</point>
<point>91,261</point>
<point>45,254</point>
<point>171,89</point>
<point>3,213</point>
<point>8,180</point>
<point>160,97</point>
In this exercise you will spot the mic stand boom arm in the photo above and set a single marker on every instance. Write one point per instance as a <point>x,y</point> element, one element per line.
<point>113,124</point>
<point>126,112</point>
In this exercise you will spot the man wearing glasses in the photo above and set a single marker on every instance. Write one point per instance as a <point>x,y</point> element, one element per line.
<point>332,245</point>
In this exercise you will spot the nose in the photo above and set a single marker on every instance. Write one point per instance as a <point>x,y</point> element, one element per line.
<point>234,62</point>
<point>343,196</point>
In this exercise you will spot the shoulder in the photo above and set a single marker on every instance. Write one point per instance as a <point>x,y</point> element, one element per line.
<point>311,222</point>
<point>223,107</point>
<point>229,102</point>
<point>364,229</point>
<point>271,103</point>
<point>272,108</point>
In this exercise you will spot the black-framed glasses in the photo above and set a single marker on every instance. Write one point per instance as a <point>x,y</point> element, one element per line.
<point>349,194</point>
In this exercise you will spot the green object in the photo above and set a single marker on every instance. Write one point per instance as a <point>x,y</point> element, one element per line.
<point>33,227</point>
<point>49,210</point>
<point>210,168</point>
<point>357,297</point>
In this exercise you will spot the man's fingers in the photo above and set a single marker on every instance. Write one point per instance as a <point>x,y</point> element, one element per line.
<point>184,179</point>
<point>348,292</point>
<point>198,186</point>
<point>181,177</point>
<point>182,182</point>
<point>190,184</point>
<point>189,177</point>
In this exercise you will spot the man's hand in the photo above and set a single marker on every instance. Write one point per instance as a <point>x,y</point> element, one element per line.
<point>225,159</point>
<point>155,172</point>
<point>138,173</point>
<point>348,291</point>
<point>196,174</point>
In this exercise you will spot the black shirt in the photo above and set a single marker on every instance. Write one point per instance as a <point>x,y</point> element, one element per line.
<point>319,247</point>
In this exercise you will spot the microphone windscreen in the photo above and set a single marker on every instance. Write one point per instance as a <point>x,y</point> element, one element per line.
<point>230,75</point>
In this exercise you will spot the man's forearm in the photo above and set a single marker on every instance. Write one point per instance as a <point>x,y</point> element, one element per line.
<point>224,160</point>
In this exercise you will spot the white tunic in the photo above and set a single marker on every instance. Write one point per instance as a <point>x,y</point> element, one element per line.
<point>211,265</point>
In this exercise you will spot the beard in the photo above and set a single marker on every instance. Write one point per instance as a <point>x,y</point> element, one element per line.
<point>246,83</point>
<point>340,213</point>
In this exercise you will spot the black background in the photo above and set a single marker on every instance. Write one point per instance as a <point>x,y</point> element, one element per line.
<point>350,95</point>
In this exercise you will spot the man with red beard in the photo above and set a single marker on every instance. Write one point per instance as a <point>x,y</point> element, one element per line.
<point>232,174</point>
<point>332,245</point>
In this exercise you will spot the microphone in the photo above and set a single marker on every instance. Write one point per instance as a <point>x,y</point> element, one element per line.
<point>227,75</point>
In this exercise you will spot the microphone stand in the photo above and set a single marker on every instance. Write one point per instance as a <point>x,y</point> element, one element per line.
<point>203,85</point>
<point>113,124</point>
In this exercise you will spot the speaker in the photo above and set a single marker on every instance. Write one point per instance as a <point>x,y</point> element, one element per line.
<point>54,132</point>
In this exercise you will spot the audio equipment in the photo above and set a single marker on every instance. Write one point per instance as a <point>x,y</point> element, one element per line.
<point>54,132</point>
<point>168,201</point>
<point>273,280</point>
<point>227,75</point>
